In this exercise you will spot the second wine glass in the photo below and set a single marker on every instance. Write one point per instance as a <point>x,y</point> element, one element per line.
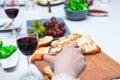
<point>11,8</point>
<point>27,43</point>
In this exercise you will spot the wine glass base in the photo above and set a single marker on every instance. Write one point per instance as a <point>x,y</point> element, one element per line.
<point>11,35</point>
<point>30,76</point>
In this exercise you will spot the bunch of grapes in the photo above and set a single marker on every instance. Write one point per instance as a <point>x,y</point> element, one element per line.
<point>54,28</point>
<point>39,28</point>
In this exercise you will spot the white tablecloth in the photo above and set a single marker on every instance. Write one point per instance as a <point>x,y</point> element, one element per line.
<point>103,30</point>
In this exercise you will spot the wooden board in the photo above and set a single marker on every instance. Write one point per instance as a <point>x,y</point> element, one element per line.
<point>98,67</point>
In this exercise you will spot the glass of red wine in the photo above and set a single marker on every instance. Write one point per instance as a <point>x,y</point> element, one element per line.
<point>27,44</point>
<point>11,8</point>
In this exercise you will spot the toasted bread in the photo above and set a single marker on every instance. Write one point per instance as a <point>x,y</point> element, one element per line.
<point>55,50</point>
<point>74,36</point>
<point>88,44</point>
<point>44,41</point>
<point>38,54</point>
<point>47,71</point>
<point>66,39</point>
<point>45,78</point>
<point>60,41</point>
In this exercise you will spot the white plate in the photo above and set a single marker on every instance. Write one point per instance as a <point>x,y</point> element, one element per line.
<point>12,60</point>
<point>17,24</point>
<point>52,2</point>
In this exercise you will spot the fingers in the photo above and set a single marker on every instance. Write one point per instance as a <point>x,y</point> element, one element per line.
<point>72,44</point>
<point>48,59</point>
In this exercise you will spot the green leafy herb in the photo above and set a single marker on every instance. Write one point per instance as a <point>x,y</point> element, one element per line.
<point>6,51</point>
<point>1,43</point>
<point>77,5</point>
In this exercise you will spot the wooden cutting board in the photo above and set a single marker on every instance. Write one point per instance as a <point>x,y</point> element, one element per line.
<point>98,67</point>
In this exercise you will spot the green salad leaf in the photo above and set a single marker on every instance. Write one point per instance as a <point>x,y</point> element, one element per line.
<point>1,43</point>
<point>6,51</point>
<point>77,5</point>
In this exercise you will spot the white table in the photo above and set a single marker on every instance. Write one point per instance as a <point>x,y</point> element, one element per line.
<point>103,30</point>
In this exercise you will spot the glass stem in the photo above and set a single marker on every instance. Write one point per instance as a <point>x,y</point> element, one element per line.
<point>29,64</point>
<point>13,30</point>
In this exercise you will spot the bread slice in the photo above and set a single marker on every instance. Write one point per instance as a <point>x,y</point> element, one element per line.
<point>60,41</point>
<point>38,54</point>
<point>88,44</point>
<point>66,39</point>
<point>44,68</point>
<point>74,36</point>
<point>55,50</point>
<point>44,41</point>
<point>47,71</point>
<point>45,78</point>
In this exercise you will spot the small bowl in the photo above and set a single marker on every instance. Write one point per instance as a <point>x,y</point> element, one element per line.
<point>76,15</point>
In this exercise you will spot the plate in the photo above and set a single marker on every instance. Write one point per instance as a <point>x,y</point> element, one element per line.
<point>21,2</point>
<point>52,2</point>
<point>17,24</point>
<point>97,13</point>
<point>12,60</point>
<point>29,23</point>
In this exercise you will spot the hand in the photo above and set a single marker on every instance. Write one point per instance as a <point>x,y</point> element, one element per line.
<point>69,61</point>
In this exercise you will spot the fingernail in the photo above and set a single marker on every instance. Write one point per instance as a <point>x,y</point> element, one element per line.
<point>42,56</point>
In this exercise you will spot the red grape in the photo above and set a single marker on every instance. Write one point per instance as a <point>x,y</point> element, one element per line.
<point>60,33</point>
<point>50,32</point>
<point>55,34</point>
<point>47,24</point>
<point>63,29</point>
<point>53,20</point>
<point>54,28</point>
<point>62,24</point>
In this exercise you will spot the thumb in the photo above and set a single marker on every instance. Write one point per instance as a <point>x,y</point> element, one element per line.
<point>49,59</point>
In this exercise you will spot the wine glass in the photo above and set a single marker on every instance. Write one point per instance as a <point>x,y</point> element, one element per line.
<point>0,4</point>
<point>27,43</point>
<point>29,4</point>
<point>11,8</point>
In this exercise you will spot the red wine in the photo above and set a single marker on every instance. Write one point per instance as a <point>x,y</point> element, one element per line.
<point>27,45</point>
<point>12,12</point>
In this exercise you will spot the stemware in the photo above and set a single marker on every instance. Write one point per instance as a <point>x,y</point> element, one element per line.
<point>27,43</point>
<point>0,4</point>
<point>11,8</point>
<point>29,4</point>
